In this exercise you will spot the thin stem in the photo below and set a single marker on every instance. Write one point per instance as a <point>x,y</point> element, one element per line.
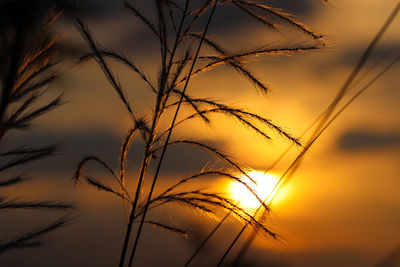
<point>168,137</point>
<point>231,245</point>
<point>244,248</point>
<point>250,239</point>
<point>148,150</point>
<point>209,236</point>
<point>360,64</point>
<point>323,125</point>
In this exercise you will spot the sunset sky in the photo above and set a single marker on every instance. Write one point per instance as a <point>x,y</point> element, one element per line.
<point>342,206</point>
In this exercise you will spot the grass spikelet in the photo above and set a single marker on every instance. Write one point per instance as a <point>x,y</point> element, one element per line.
<point>50,205</point>
<point>281,15</point>
<point>33,237</point>
<point>12,181</point>
<point>102,187</point>
<point>172,229</point>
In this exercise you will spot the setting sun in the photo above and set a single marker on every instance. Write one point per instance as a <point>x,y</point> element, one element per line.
<point>199,133</point>
<point>265,185</point>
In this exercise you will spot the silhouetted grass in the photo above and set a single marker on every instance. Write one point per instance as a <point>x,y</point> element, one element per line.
<point>174,25</point>
<point>27,66</point>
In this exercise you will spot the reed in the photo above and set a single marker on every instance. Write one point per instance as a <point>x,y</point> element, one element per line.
<point>175,25</point>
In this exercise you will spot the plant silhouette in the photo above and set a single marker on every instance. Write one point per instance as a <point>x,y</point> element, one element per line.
<point>175,25</point>
<point>28,65</point>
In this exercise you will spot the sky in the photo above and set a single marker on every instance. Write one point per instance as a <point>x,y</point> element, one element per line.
<point>341,208</point>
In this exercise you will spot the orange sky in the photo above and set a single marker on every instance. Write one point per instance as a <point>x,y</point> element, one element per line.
<point>340,208</point>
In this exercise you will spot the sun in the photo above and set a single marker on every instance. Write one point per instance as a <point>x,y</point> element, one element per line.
<point>266,183</point>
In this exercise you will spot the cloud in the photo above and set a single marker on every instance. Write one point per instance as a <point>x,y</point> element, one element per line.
<point>385,50</point>
<point>365,139</point>
<point>74,146</point>
<point>103,7</point>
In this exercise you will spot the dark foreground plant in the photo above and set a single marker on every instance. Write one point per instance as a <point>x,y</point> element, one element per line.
<point>27,66</point>
<point>175,24</point>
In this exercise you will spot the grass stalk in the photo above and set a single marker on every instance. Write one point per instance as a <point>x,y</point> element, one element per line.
<point>168,137</point>
<point>148,153</point>
<point>172,81</point>
<point>208,237</point>
<point>250,239</point>
<point>323,123</point>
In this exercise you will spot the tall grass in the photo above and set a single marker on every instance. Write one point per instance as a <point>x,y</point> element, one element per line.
<point>175,25</point>
<point>28,64</point>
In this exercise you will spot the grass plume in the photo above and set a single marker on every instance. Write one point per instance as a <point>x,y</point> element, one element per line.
<point>175,24</point>
<point>28,65</point>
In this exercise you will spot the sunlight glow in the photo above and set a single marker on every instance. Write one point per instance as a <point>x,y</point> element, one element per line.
<point>265,185</point>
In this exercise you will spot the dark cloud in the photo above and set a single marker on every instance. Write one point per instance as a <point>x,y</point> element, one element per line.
<point>138,38</point>
<point>231,17</point>
<point>73,147</point>
<point>91,8</point>
<point>381,56</point>
<point>183,159</point>
<point>226,18</point>
<point>296,7</point>
<point>364,139</point>
<point>104,7</point>
<point>385,50</point>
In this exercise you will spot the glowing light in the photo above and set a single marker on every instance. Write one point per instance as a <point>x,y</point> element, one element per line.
<point>264,187</point>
